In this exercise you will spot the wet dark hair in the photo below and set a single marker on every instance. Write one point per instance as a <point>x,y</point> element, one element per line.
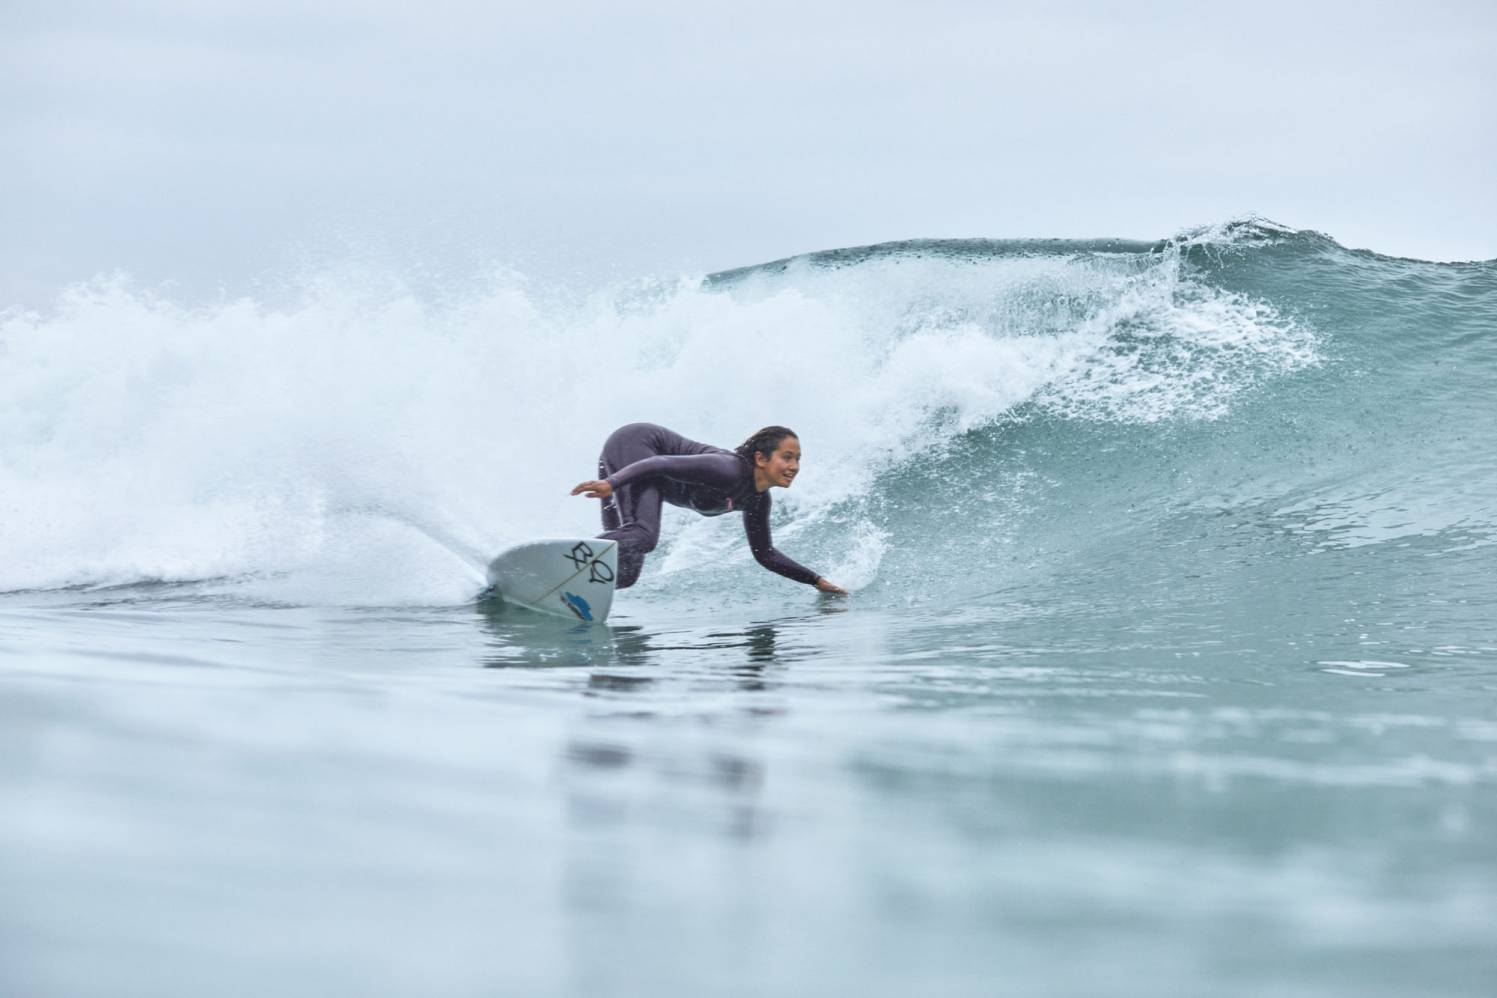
<point>764,442</point>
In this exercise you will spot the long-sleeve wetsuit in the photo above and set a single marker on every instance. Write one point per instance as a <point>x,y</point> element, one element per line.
<point>648,464</point>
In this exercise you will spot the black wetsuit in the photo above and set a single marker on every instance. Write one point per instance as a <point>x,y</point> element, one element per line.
<point>648,464</point>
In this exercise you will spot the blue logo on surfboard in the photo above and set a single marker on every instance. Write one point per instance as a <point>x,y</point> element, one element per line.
<point>577,605</point>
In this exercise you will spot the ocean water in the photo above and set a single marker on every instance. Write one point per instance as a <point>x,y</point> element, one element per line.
<point>1170,665</point>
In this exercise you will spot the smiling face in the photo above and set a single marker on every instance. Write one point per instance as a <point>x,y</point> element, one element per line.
<point>779,467</point>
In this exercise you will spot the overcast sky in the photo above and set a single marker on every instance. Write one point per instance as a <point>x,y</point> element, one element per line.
<point>210,142</point>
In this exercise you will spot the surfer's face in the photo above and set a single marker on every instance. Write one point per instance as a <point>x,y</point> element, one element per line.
<point>781,466</point>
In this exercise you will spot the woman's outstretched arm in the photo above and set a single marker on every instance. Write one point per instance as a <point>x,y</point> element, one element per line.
<point>756,525</point>
<point>718,471</point>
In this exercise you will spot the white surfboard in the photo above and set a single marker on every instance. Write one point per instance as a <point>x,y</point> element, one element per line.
<point>571,577</point>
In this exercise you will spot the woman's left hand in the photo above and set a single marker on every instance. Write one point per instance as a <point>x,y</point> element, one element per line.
<point>594,490</point>
<point>828,586</point>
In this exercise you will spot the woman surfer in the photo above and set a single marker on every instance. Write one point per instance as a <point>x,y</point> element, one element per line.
<point>643,465</point>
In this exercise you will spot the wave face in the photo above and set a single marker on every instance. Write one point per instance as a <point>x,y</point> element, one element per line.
<point>977,416</point>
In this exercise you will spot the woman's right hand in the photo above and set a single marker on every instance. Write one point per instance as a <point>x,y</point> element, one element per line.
<point>828,586</point>
<point>594,489</point>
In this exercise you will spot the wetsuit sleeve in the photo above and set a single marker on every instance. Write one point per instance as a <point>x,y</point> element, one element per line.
<point>719,471</point>
<point>756,525</point>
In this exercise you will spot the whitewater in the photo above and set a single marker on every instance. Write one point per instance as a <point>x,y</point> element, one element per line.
<point>1169,664</point>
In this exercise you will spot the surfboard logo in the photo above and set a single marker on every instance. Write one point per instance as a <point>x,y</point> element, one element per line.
<point>577,605</point>
<point>582,556</point>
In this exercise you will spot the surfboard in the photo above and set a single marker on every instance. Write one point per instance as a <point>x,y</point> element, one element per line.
<point>568,577</point>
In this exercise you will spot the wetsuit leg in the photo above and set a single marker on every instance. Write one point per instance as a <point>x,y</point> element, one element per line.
<point>631,515</point>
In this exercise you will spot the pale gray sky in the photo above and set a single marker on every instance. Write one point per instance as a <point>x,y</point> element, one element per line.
<point>209,142</point>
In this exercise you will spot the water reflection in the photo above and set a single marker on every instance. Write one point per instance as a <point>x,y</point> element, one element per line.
<point>659,747</point>
<point>672,712</point>
<point>655,742</point>
<point>761,643</point>
<point>519,638</point>
<point>629,782</point>
<point>602,682</point>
